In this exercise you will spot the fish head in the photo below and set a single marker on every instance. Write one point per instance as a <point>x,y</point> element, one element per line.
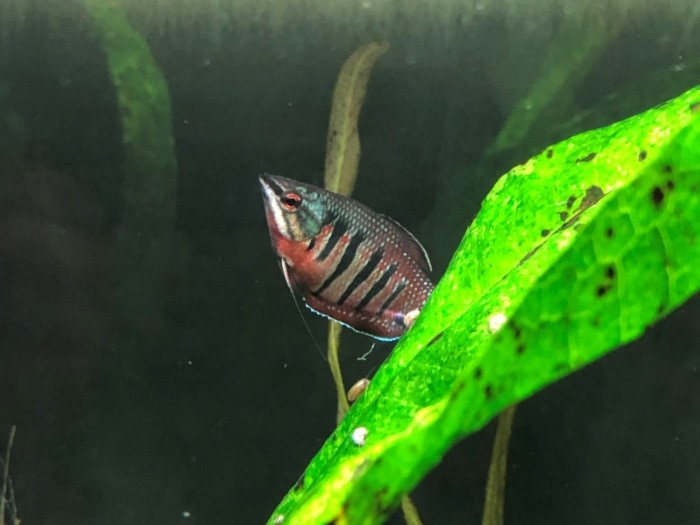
<point>295,211</point>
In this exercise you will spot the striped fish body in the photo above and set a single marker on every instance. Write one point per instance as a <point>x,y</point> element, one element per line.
<point>348,262</point>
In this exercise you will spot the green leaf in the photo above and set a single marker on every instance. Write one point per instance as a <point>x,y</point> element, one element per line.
<point>150,167</point>
<point>343,142</point>
<point>573,254</point>
<point>577,46</point>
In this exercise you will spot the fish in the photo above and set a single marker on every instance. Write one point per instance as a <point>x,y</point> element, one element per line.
<point>348,262</point>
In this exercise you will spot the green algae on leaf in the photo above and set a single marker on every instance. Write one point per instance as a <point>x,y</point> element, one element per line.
<point>573,254</point>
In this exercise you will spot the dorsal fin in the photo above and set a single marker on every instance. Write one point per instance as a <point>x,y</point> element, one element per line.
<point>414,249</point>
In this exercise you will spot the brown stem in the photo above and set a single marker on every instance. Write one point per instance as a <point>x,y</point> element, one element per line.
<point>6,474</point>
<point>334,330</point>
<point>410,512</point>
<point>496,484</point>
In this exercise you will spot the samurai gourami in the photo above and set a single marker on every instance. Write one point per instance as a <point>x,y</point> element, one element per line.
<point>348,262</point>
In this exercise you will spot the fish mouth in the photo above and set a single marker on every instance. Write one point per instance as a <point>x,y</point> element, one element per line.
<point>270,185</point>
<point>271,193</point>
<point>270,190</point>
<point>268,194</point>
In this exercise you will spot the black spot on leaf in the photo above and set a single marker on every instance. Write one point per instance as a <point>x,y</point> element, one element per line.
<point>592,196</point>
<point>477,373</point>
<point>520,349</point>
<point>545,232</point>
<point>670,185</point>
<point>695,107</point>
<point>550,153</point>
<point>380,502</point>
<point>570,201</point>
<point>563,215</point>
<point>610,272</point>
<point>573,220</point>
<point>657,196</point>
<point>516,330</point>
<point>587,158</point>
<point>642,155</point>
<point>609,232</point>
<point>529,254</point>
<point>667,168</point>
<point>488,391</point>
<point>457,390</point>
<point>435,339</point>
<point>602,290</point>
<point>458,387</point>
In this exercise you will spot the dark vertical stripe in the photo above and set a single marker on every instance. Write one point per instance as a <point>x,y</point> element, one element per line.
<point>311,244</point>
<point>345,261</point>
<point>362,275</point>
<point>340,228</point>
<point>377,287</point>
<point>399,288</point>
<point>275,187</point>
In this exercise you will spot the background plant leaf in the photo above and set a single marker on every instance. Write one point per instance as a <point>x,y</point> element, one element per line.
<point>150,166</point>
<point>574,253</point>
<point>342,161</point>
<point>574,51</point>
<point>343,143</point>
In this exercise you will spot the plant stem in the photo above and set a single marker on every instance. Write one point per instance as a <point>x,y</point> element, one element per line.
<point>410,512</point>
<point>334,330</point>
<point>496,484</point>
<point>6,473</point>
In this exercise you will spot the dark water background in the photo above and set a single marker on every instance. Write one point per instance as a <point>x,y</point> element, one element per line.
<point>207,397</point>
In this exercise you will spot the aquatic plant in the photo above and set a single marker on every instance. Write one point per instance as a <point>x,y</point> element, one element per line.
<point>146,239</point>
<point>342,161</point>
<point>573,253</point>
<point>7,494</point>
<point>150,169</point>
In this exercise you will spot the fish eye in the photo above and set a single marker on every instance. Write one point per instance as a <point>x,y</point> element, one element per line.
<point>291,201</point>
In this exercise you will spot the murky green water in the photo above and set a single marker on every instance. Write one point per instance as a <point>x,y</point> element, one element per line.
<point>150,355</point>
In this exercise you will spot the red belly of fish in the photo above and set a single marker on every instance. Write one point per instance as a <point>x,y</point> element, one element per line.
<point>360,268</point>
<point>383,315</point>
<point>388,325</point>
